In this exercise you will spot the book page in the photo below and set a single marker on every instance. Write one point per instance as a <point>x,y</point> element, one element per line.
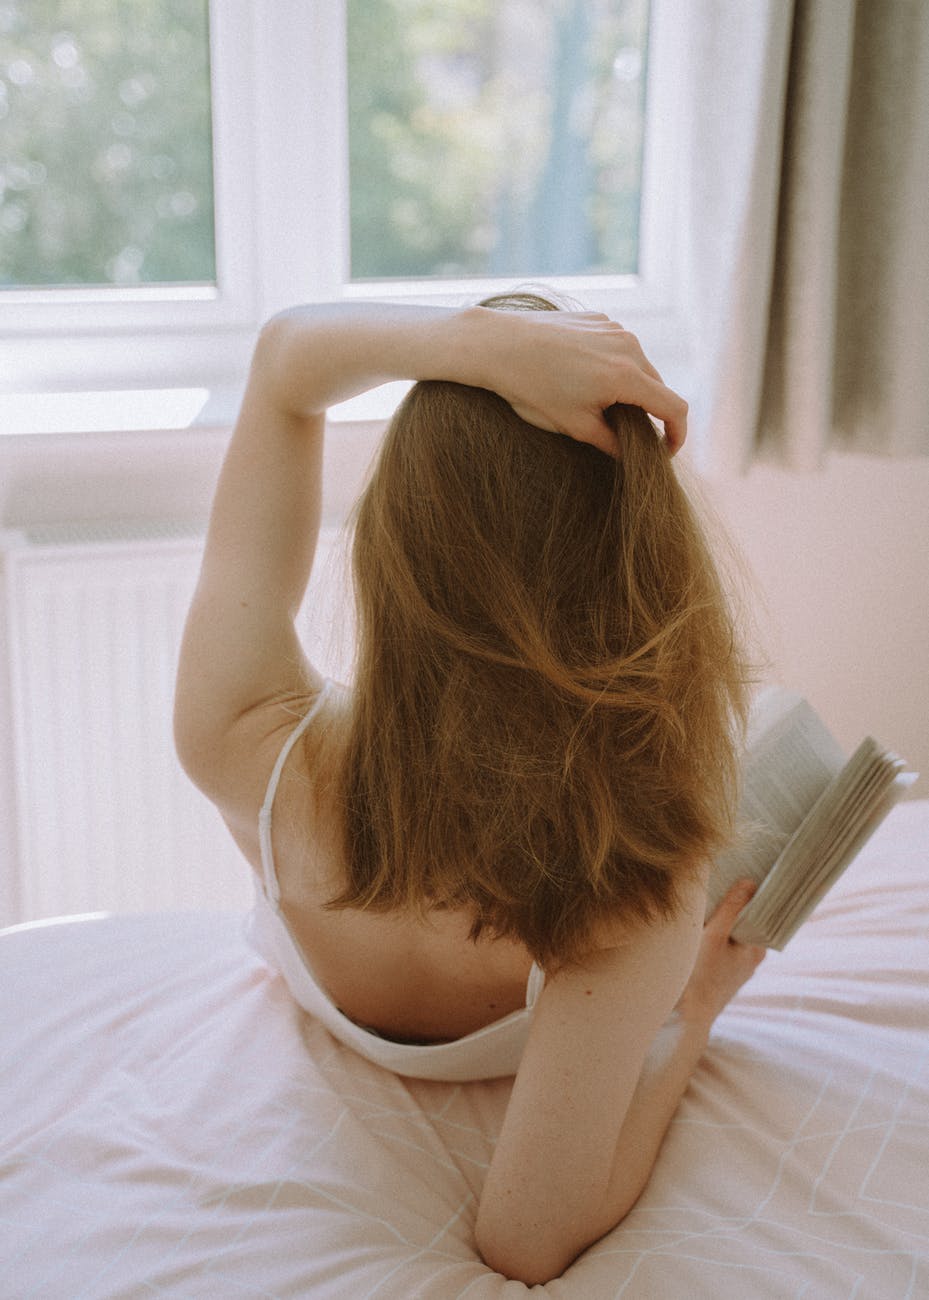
<point>831,837</point>
<point>791,757</point>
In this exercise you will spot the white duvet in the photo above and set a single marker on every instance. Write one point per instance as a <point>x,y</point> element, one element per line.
<point>172,1125</point>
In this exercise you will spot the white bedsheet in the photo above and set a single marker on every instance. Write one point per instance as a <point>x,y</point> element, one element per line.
<point>173,1125</point>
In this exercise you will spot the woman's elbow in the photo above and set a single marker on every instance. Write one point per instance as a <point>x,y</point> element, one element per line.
<point>532,1258</point>
<point>519,1261</point>
<point>535,1256</point>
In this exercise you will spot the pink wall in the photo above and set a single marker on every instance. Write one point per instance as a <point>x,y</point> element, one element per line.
<point>841,564</point>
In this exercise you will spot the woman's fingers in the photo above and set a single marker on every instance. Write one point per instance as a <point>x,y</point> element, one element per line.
<point>725,917</point>
<point>654,395</point>
<point>570,367</point>
<point>598,433</point>
<point>726,914</point>
<point>662,402</point>
<point>723,965</point>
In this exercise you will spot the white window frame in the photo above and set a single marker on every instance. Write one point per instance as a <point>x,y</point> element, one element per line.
<point>110,336</point>
<point>280,153</point>
<point>315,203</point>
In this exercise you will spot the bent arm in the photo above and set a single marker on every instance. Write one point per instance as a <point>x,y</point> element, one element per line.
<point>240,651</point>
<point>317,356</point>
<point>533,1226</point>
<point>596,1089</point>
<point>672,1058</point>
<point>241,659</point>
<point>560,370</point>
<point>612,1049</point>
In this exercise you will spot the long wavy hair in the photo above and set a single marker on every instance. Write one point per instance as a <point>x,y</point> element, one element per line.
<point>549,686</point>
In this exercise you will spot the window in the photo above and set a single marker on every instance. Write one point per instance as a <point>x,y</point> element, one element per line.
<point>127,221</point>
<point>107,174</point>
<point>495,139</point>
<point>346,148</point>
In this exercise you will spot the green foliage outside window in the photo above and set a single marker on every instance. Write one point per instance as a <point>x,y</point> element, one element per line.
<point>106,173</point>
<point>495,137</point>
<point>486,137</point>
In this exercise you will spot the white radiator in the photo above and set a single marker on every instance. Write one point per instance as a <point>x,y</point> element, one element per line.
<point>105,819</point>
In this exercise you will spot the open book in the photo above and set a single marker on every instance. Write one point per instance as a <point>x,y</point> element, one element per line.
<point>804,814</point>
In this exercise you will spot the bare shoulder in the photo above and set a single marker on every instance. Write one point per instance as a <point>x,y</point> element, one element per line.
<point>621,951</point>
<point>610,1003</point>
<point>237,776</point>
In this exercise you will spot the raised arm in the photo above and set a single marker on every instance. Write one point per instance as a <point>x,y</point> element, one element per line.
<point>561,370</point>
<point>241,660</point>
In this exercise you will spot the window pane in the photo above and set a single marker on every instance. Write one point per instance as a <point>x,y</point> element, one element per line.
<point>495,137</point>
<point>105,143</point>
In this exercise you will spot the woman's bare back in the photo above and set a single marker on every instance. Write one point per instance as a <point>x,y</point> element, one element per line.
<point>388,971</point>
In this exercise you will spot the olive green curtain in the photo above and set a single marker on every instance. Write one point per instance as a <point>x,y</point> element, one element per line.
<point>806,261</point>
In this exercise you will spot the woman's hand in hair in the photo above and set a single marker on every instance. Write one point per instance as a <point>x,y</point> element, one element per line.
<point>562,370</point>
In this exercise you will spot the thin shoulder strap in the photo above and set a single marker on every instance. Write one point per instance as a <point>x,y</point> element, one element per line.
<point>271,887</point>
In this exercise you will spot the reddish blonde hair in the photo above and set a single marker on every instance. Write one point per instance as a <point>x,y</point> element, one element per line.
<point>548,679</point>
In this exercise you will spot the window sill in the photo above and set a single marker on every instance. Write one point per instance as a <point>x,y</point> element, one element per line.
<point>139,410</point>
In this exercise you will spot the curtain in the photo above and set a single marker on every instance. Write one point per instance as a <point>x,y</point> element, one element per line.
<point>806,253</point>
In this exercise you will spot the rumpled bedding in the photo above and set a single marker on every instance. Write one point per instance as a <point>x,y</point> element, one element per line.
<point>173,1125</point>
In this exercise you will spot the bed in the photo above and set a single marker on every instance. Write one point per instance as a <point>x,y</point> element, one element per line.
<point>174,1126</point>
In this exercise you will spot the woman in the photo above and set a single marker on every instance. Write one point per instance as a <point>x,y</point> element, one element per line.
<point>490,856</point>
